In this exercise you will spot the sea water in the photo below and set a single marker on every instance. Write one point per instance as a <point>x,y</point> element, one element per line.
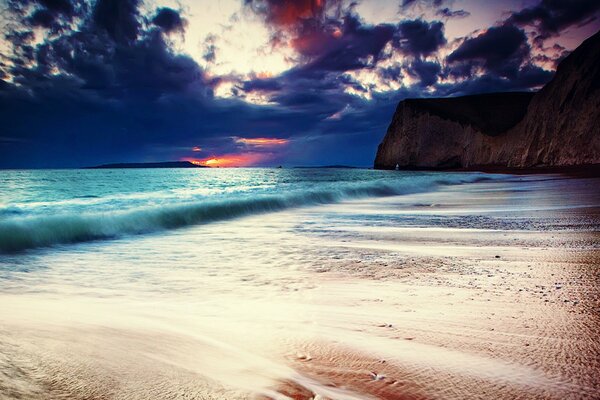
<point>41,208</point>
<point>223,283</point>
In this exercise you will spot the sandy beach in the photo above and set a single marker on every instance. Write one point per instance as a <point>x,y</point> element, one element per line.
<point>483,290</point>
<point>300,200</point>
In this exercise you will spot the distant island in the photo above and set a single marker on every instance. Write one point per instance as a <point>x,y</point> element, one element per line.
<point>188,164</point>
<point>557,127</point>
<point>165,164</point>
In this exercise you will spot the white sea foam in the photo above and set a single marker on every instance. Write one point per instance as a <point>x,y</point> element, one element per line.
<point>35,229</point>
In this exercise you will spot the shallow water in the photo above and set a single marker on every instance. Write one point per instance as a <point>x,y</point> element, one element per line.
<point>375,285</point>
<point>40,208</point>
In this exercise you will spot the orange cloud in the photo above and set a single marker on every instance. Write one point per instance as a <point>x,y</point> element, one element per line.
<point>291,12</point>
<point>231,160</point>
<point>262,142</point>
<point>264,75</point>
<point>196,149</point>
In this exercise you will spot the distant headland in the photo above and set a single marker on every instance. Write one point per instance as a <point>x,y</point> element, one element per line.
<point>165,164</point>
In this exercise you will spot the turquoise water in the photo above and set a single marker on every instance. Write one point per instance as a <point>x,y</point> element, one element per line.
<point>150,283</point>
<point>41,208</point>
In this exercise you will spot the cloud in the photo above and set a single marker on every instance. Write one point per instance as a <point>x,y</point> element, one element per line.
<point>330,38</point>
<point>326,35</point>
<point>54,15</point>
<point>262,84</point>
<point>427,71</point>
<point>418,37</point>
<point>110,56</point>
<point>42,17</point>
<point>92,82</point>
<point>262,141</point>
<point>169,20</point>
<point>448,13</point>
<point>289,13</point>
<point>500,49</point>
<point>65,7</point>
<point>210,49</point>
<point>392,73</point>
<point>434,3</point>
<point>119,18</point>
<point>356,47</point>
<point>550,17</point>
<point>527,78</point>
<point>104,86</point>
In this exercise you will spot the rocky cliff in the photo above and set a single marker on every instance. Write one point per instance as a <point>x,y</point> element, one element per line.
<point>557,126</point>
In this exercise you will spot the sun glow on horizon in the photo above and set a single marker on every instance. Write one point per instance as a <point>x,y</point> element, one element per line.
<point>240,152</point>
<point>231,160</point>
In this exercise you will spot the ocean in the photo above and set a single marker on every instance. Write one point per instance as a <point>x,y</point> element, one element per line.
<point>297,284</point>
<point>40,208</point>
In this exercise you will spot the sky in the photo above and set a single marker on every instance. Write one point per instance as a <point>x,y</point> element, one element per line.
<point>255,82</point>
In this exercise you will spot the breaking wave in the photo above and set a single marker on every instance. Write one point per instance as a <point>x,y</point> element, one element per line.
<point>23,233</point>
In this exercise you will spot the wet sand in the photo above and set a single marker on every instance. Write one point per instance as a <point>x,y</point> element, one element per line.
<point>487,290</point>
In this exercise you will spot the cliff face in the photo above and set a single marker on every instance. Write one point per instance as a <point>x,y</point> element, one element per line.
<point>558,126</point>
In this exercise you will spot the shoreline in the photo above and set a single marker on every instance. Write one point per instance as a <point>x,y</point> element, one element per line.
<point>577,171</point>
<point>466,291</point>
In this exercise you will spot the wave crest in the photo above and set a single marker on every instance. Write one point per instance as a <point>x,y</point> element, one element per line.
<point>23,233</point>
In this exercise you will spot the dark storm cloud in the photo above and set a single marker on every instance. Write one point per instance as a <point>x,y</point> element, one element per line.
<point>525,79</point>
<point>113,90</point>
<point>328,43</point>
<point>448,13</point>
<point>119,18</point>
<point>331,37</point>
<point>111,53</point>
<point>435,3</point>
<point>106,85</point>
<point>427,71</point>
<point>286,13</point>
<point>326,35</point>
<point>43,18</point>
<point>502,50</point>
<point>51,14</point>
<point>391,73</point>
<point>111,85</point>
<point>169,20</point>
<point>65,7</point>
<point>348,50</point>
<point>260,84</point>
<point>418,37</point>
<point>21,47</point>
<point>504,53</point>
<point>550,17</point>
